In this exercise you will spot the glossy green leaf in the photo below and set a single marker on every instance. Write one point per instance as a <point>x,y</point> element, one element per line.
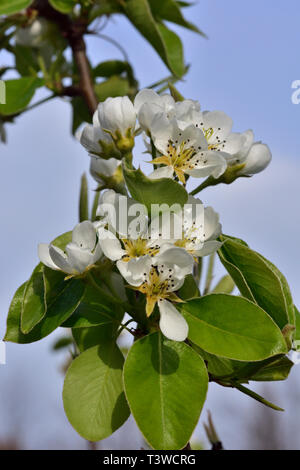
<point>232,327</point>
<point>169,10</point>
<point>110,67</point>
<point>26,60</point>
<point>112,87</point>
<point>60,309</point>
<point>165,385</point>
<point>64,6</point>
<point>19,93</point>
<point>189,288</point>
<point>86,338</point>
<point>9,7</point>
<point>149,191</point>
<point>165,42</point>
<point>34,301</point>
<point>94,310</point>
<point>297,332</point>
<point>224,286</point>
<point>93,394</point>
<point>258,280</point>
<point>277,370</point>
<point>62,343</point>
<point>83,199</point>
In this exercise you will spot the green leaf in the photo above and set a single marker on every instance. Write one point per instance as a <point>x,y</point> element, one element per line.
<point>19,93</point>
<point>105,7</point>
<point>64,6</point>
<point>93,394</point>
<point>224,286</point>
<point>81,113</point>
<point>258,280</point>
<point>277,370</point>
<point>165,385</point>
<point>34,301</point>
<point>62,343</point>
<point>95,310</point>
<point>232,327</point>
<point>86,338</point>
<point>26,60</point>
<point>297,333</point>
<point>166,43</point>
<point>58,312</point>
<point>9,7</point>
<point>62,240</point>
<point>189,288</point>
<point>169,10</point>
<point>114,86</point>
<point>110,67</point>
<point>83,199</point>
<point>149,191</point>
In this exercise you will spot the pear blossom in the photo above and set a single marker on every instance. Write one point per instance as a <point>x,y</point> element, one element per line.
<point>148,104</point>
<point>117,117</point>
<point>121,242</point>
<point>79,256</point>
<point>104,170</point>
<point>184,151</point>
<point>199,237</point>
<point>162,276</point>
<point>96,141</point>
<point>253,157</point>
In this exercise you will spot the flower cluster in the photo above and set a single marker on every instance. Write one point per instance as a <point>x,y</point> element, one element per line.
<point>155,258</point>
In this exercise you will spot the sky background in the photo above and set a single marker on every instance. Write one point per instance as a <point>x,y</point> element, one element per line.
<point>245,68</point>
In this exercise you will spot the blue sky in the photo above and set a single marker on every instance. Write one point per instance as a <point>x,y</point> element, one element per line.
<point>246,69</point>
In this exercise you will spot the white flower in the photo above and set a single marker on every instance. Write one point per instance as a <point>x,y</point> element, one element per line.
<point>199,234</point>
<point>102,170</point>
<point>80,255</point>
<point>162,276</point>
<point>148,104</point>
<point>132,244</point>
<point>117,116</point>
<point>253,157</point>
<point>184,151</point>
<point>96,141</point>
<point>33,35</point>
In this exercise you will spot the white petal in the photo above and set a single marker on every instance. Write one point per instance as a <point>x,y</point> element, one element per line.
<point>84,235</point>
<point>44,256</point>
<point>219,122</point>
<point>257,159</point>
<point>135,270</point>
<point>110,245</point>
<point>208,163</point>
<point>208,248</point>
<point>100,166</point>
<point>162,172</point>
<point>59,258</point>
<point>97,253</point>
<point>78,258</point>
<point>233,143</point>
<point>212,227</point>
<point>172,323</point>
<point>177,259</point>
<point>117,114</point>
<point>161,132</point>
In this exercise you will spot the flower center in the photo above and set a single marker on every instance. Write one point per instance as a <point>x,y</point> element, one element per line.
<point>137,248</point>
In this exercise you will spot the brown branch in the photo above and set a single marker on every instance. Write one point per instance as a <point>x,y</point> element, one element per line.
<point>86,86</point>
<point>74,32</point>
